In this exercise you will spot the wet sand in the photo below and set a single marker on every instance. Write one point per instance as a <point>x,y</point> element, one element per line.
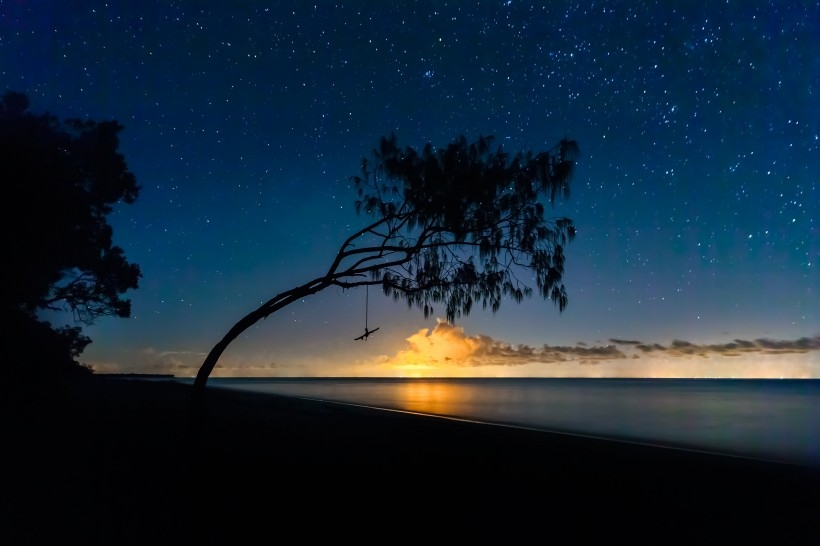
<point>115,461</point>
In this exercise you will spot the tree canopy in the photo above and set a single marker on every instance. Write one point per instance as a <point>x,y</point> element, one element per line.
<point>62,179</point>
<point>454,226</point>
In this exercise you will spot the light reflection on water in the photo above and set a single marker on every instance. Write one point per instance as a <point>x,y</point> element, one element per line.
<point>771,419</point>
<point>436,398</point>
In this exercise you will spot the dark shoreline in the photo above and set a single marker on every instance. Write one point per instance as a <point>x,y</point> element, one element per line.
<point>112,461</point>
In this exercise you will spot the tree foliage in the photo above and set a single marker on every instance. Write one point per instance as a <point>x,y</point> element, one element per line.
<point>61,180</point>
<point>461,224</point>
<point>455,226</point>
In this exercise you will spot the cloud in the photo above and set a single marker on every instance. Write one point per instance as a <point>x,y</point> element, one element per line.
<point>624,342</point>
<point>737,347</point>
<point>181,363</point>
<point>450,345</point>
<point>152,361</point>
<point>447,348</point>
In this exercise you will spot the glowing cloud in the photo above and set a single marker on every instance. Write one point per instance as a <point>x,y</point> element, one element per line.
<point>447,350</point>
<point>447,345</point>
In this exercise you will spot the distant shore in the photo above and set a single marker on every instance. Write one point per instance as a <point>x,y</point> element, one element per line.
<point>116,460</point>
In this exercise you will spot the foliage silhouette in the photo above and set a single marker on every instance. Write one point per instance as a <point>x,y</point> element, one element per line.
<point>456,226</point>
<point>62,180</point>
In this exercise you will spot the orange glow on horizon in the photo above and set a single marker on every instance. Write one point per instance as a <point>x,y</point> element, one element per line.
<point>446,351</point>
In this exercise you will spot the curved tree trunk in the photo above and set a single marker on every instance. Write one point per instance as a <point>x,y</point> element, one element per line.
<point>198,392</point>
<point>263,311</point>
<point>363,266</point>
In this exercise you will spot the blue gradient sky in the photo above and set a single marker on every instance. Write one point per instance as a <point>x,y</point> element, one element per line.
<point>695,197</point>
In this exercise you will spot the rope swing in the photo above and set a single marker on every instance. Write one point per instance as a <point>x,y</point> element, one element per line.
<point>367,332</point>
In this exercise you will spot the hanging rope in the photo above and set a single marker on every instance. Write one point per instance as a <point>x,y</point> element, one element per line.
<point>367,332</point>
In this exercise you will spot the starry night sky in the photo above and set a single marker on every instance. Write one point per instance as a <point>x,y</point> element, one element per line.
<point>695,196</point>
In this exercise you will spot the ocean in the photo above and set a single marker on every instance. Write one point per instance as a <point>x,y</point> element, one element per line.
<point>777,420</point>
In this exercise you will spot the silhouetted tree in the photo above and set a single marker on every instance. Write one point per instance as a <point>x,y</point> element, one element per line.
<point>61,180</point>
<point>457,226</point>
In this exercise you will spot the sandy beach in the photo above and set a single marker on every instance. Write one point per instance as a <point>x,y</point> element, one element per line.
<point>115,461</point>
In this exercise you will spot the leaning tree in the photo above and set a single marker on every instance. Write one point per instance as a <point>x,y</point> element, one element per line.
<point>454,226</point>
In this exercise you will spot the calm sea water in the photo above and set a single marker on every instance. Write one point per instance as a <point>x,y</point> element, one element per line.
<point>769,419</point>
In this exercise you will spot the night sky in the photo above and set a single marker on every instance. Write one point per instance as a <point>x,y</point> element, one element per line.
<point>695,195</point>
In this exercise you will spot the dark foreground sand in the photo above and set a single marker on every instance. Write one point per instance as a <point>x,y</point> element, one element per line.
<point>114,461</point>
